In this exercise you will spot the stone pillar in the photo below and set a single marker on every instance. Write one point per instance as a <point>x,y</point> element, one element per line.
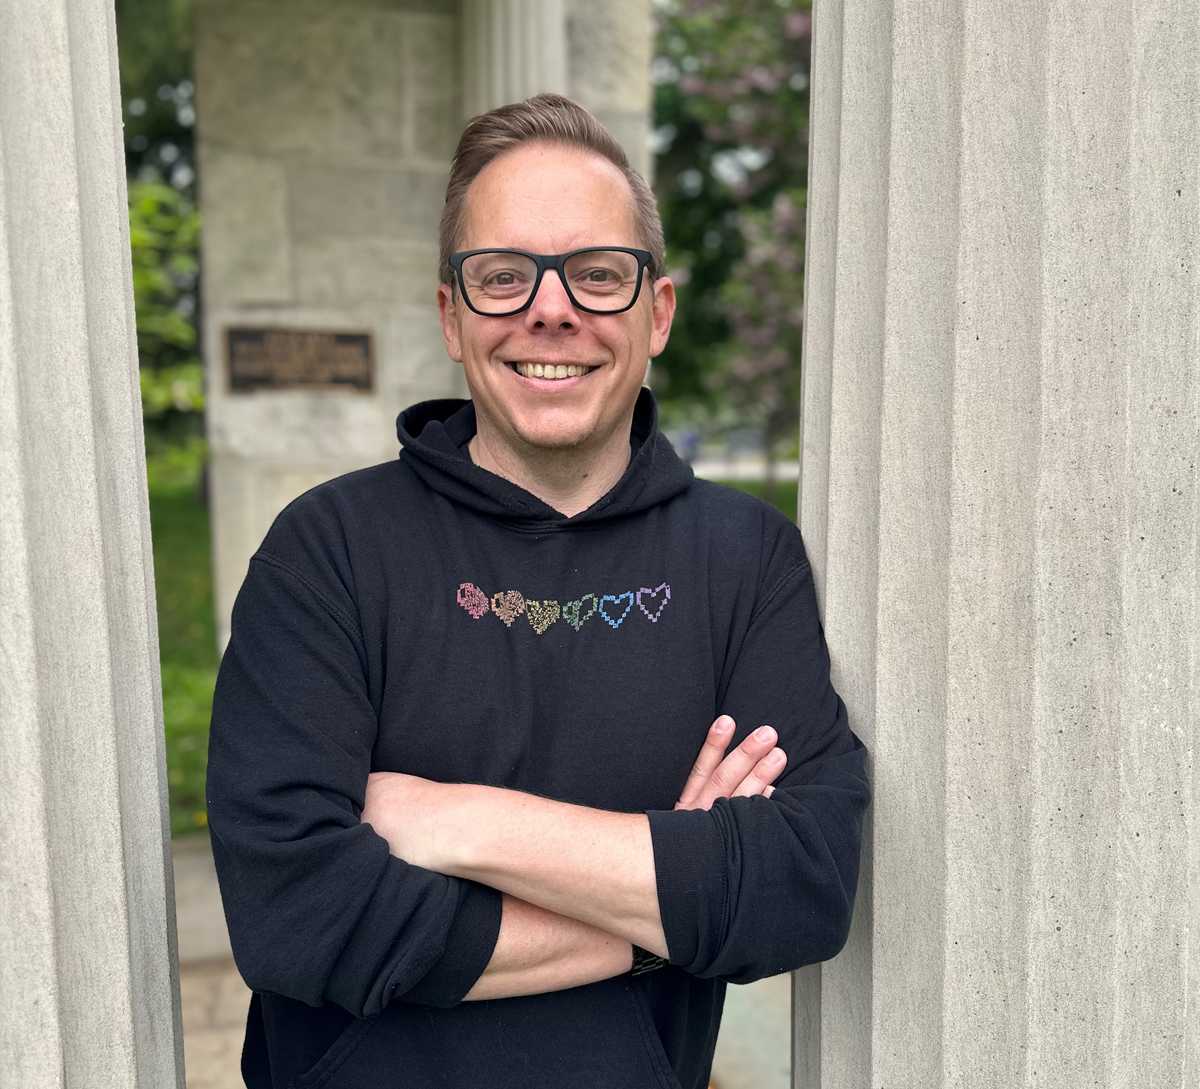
<point>88,966</point>
<point>324,134</point>
<point>610,47</point>
<point>512,49</point>
<point>599,54</point>
<point>1001,498</point>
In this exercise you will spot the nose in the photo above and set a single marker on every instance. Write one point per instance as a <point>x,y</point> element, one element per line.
<point>551,307</point>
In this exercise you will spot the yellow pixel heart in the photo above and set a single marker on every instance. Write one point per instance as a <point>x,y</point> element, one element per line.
<point>541,614</point>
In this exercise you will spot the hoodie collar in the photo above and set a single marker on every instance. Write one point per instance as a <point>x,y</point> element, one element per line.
<point>434,436</point>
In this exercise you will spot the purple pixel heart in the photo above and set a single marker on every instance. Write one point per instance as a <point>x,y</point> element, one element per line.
<point>616,599</point>
<point>662,588</point>
<point>473,599</point>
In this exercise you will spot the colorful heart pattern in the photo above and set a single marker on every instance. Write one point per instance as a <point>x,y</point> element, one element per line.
<point>613,609</point>
<point>473,599</point>
<point>573,614</point>
<point>618,617</point>
<point>508,605</point>
<point>541,614</point>
<point>661,588</point>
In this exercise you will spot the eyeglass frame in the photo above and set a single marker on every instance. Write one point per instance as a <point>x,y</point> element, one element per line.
<point>544,261</point>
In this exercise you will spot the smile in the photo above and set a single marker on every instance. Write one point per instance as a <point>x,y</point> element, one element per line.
<point>555,372</point>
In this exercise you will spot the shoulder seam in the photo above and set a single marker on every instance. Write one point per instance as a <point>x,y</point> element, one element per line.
<point>787,577</point>
<point>283,565</point>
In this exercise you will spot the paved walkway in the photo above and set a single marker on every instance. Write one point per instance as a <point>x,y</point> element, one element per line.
<point>753,1050</point>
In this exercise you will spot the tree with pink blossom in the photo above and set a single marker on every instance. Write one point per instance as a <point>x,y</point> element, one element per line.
<point>731,115</point>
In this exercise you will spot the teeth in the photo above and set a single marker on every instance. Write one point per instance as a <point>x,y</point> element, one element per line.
<point>551,370</point>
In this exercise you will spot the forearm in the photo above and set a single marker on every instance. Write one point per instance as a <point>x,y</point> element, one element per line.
<point>539,950</point>
<point>591,865</point>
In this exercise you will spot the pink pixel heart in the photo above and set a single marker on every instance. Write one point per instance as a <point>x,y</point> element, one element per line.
<point>473,599</point>
<point>662,588</point>
<point>508,605</point>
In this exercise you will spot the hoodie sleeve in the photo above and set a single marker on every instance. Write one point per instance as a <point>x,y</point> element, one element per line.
<point>318,909</point>
<point>757,886</point>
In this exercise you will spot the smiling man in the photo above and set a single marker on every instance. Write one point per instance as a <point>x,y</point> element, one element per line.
<point>473,820</point>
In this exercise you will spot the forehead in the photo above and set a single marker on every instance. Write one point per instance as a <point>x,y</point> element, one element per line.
<point>549,198</point>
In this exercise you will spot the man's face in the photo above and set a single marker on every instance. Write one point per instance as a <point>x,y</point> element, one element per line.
<point>546,198</point>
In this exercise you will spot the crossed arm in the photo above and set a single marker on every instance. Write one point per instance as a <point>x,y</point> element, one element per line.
<point>578,884</point>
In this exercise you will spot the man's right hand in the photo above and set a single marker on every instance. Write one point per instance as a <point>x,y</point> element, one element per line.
<point>749,769</point>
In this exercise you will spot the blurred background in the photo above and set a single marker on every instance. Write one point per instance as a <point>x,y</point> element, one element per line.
<point>726,95</point>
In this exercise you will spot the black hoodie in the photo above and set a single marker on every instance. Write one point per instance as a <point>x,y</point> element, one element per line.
<point>425,615</point>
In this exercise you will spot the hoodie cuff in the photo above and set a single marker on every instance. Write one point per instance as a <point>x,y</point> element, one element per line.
<point>470,942</point>
<point>689,867</point>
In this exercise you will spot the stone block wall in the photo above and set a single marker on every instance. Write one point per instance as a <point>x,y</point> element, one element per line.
<point>325,132</point>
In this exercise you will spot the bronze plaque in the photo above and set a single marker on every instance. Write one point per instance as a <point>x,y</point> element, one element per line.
<point>298,359</point>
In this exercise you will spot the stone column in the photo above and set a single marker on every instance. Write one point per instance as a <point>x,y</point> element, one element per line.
<point>1001,498</point>
<point>599,54</point>
<point>88,967</point>
<point>512,49</point>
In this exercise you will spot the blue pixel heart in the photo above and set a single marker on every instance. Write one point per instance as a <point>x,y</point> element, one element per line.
<point>616,599</point>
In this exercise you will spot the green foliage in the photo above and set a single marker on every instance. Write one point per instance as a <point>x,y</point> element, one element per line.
<point>179,526</point>
<point>731,116</point>
<point>154,40</point>
<point>164,235</point>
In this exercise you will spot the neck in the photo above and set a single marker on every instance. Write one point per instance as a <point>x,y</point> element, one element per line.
<point>568,479</point>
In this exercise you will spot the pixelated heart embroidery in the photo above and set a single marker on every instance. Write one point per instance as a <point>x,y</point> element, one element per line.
<point>616,599</point>
<point>508,605</point>
<point>662,588</point>
<point>473,599</point>
<point>573,614</point>
<point>541,614</point>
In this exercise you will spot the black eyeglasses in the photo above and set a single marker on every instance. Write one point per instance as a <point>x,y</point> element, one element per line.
<point>498,283</point>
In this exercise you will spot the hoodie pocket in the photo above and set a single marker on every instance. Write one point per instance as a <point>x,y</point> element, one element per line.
<point>597,1036</point>
<point>335,1056</point>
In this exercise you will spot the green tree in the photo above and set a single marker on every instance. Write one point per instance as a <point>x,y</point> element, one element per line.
<point>731,174</point>
<point>164,235</point>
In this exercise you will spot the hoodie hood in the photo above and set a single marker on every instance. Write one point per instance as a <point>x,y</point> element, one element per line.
<point>434,436</point>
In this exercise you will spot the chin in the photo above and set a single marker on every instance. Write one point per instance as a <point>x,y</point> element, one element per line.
<point>557,434</point>
<point>557,438</point>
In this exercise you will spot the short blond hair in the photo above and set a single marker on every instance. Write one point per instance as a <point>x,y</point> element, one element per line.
<point>548,118</point>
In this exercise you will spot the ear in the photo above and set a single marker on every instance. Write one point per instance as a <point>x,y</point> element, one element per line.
<point>662,313</point>
<point>449,315</point>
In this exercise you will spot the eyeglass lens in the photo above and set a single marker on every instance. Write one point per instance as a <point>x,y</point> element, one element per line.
<point>598,279</point>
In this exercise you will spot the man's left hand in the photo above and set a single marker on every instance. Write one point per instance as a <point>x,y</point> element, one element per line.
<point>414,815</point>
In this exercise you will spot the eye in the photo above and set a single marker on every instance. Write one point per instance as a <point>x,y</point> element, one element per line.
<point>598,277</point>
<point>504,277</point>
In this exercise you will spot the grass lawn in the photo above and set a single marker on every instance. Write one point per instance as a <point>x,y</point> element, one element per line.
<point>186,632</point>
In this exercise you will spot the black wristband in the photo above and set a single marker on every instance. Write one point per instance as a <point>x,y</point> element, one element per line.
<point>644,961</point>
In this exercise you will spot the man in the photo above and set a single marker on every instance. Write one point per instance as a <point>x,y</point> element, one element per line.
<point>465,688</point>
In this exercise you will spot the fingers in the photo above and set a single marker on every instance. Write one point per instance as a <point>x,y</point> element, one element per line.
<point>736,766</point>
<point>719,735</point>
<point>767,769</point>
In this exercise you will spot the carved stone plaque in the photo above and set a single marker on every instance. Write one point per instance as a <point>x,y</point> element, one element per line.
<point>298,359</point>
